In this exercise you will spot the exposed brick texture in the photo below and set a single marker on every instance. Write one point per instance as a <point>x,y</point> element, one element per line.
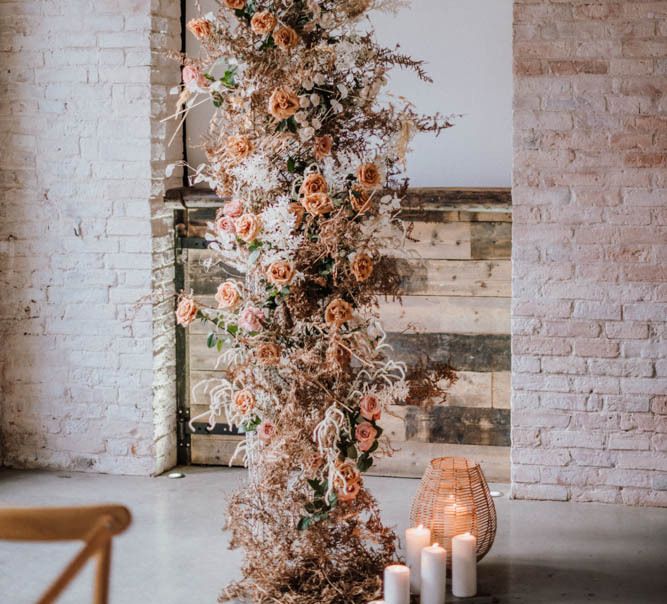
<point>589,257</point>
<point>87,367</point>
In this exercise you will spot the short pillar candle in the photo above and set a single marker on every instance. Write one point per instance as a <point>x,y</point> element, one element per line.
<point>464,565</point>
<point>397,584</point>
<point>416,539</point>
<point>433,575</point>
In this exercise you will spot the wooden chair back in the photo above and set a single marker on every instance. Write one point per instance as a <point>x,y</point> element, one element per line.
<point>94,525</point>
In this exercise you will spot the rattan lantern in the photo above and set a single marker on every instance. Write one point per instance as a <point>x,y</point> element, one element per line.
<point>453,498</point>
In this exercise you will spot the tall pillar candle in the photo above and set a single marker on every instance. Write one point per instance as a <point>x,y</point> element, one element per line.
<point>397,584</point>
<point>416,539</point>
<point>464,565</point>
<point>433,575</point>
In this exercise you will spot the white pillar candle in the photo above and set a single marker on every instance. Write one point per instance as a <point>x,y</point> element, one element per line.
<point>464,565</point>
<point>397,584</point>
<point>416,539</point>
<point>433,575</point>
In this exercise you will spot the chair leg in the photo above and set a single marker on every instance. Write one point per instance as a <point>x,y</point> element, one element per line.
<point>102,575</point>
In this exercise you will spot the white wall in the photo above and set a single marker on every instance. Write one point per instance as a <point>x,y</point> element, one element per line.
<point>468,47</point>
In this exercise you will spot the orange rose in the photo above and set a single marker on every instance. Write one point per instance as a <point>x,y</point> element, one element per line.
<point>228,295</point>
<point>262,22</point>
<point>365,435</point>
<point>200,28</point>
<point>369,407</point>
<point>338,312</point>
<point>298,210</point>
<point>268,353</point>
<point>317,204</point>
<point>186,311</point>
<point>285,38</point>
<point>369,176</point>
<point>235,4</point>
<point>360,200</point>
<point>283,103</point>
<point>314,183</point>
<point>362,267</point>
<point>239,147</point>
<point>244,401</point>
<point>348,487</point>
<point>280,273</point>
<point>323,146</point>
<point>248,227</point>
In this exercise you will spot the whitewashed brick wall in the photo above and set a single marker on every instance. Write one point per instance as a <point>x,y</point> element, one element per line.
<point>87,365</point>
<point>590,251</point>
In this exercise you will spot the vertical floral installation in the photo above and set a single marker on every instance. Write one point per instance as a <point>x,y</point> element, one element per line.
<point>309,161</point>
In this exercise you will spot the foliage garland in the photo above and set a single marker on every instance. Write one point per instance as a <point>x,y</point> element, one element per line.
<point>310,161</point>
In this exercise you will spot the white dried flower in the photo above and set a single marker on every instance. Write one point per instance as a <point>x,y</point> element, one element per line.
<point>343,91</point>
<point>315,99</point>
<point>315,123</point>
<point>304,102</point>
<point>305,134</point>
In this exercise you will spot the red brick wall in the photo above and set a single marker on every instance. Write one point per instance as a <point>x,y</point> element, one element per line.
<point>590,251</point>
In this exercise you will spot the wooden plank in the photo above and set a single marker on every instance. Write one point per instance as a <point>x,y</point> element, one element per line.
<point>490,240</point>
<point>502,390</point>
<point>472,389</point>
<point>412,458</point>
<point>447,314</point>
<point>419,276</point>
<point>438,240</point>
<point>470,426</point>
<point>215,450</point>
<point>464,352</point>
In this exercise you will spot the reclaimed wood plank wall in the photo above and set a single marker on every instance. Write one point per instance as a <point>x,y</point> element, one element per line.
<point>456,293</point>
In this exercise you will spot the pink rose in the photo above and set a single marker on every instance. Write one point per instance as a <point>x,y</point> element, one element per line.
<point>225,225</point>
<point>233,208</point>
<point>193,77</point>
<point>251,318</point>
<point>266,431</point>
<point>186,311</point>
<point>369,406</point>
<point>365,435</point>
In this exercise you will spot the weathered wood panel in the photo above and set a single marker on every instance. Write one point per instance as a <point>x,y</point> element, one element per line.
<point>448,314</point>
<point>456,285</point>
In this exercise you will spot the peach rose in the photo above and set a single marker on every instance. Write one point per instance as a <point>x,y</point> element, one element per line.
<point>248,227</point>
<point>369,176</point>
<point>268,353</point>
<point>266,431</point>
<point>244,401</point>
<point>262,22</point>
<point>239,147</point>
<point>233,208</point>
<point>200,28</point>
<point>338,312</point>
<point>317,204</point>
<point>186,311</point>
<point>323,146</point>
<point>365,435</point>
<point>251,319</point>
<point>369,407</point>
<point>360,200</point>
<point>362,267</point>
<point>314,183</point>
<point>228,295</point>
<point>283,103</point>
<point>225,225</point>
<point>348,487</point>
<point>298,210</point>
<point>285,38</point>
<point>235,4</point>
<point>280,273</point>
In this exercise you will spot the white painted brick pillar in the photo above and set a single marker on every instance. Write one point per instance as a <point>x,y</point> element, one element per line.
<point>87,365</point>
<point>589,404</point>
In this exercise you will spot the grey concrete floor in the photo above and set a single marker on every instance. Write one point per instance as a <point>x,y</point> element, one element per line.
<point>176,553</point>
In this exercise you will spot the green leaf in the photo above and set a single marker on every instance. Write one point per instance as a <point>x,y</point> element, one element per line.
<point>374,447</point>
<point>210,341</point>
<point>352,452</point>
<point>291,165</point>
<point>232,329</point>
<point>304,523</point>
<point>364,462</point>
<point>219,345</point>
